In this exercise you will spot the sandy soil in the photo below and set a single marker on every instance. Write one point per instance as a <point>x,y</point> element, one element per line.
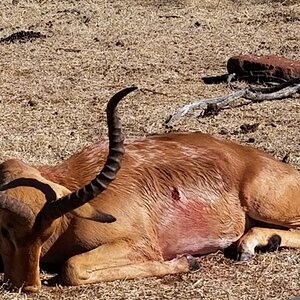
<point>53,91</point>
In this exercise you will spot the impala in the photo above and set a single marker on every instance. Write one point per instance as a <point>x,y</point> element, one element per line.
<point>176,195</point>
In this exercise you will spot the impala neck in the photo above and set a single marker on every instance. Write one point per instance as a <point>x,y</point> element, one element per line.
<point>61,227</point>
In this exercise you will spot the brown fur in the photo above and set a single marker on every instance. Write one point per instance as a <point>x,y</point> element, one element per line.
<point>175,194</point>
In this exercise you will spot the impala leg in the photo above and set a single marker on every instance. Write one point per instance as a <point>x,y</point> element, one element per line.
<point>258,237</point>
<point>134,270</point>
<point>114,261</point>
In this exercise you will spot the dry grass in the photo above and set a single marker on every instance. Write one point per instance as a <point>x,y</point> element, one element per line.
<point>53,92</point>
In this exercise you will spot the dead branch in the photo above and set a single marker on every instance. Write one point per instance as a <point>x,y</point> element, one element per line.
<point>277,87</point>
<point>246,93</point>
<point>203,103</point>
<point>282,94</point>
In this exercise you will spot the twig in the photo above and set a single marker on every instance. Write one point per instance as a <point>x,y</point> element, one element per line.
<point>276,87</point>
<point>221,102</point>
<point>282,94</point>
<point>203,103</point>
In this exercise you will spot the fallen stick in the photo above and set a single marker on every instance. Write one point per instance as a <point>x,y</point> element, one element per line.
<point>288,89</point>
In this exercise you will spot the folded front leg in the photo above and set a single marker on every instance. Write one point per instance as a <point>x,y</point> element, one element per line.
<point>115,261</point>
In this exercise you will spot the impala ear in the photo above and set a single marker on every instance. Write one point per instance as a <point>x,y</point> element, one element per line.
<point>87,211</point>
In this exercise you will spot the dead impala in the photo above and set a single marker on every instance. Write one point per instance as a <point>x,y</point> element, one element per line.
<point>176,195</point>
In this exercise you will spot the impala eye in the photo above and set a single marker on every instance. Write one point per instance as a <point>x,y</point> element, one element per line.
<point>5,232</point>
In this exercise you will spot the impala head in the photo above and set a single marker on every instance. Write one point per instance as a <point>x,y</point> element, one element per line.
<point>31,207</point>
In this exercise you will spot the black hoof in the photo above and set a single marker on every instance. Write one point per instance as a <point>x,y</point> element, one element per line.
<point>244,256</point>
<point>193,263</point>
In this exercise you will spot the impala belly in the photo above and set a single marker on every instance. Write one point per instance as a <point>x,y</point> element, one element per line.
<point>198,226</point>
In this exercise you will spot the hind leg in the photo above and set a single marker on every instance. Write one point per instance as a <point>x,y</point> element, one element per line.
<point>258,237</point>
<point>272,238</point>
<point>270,194</point>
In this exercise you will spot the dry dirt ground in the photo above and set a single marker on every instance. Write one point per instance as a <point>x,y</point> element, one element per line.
<point>53,91</point>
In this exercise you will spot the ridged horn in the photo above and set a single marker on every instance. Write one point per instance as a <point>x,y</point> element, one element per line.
<point>22,210</point>
<point>56,209</point>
